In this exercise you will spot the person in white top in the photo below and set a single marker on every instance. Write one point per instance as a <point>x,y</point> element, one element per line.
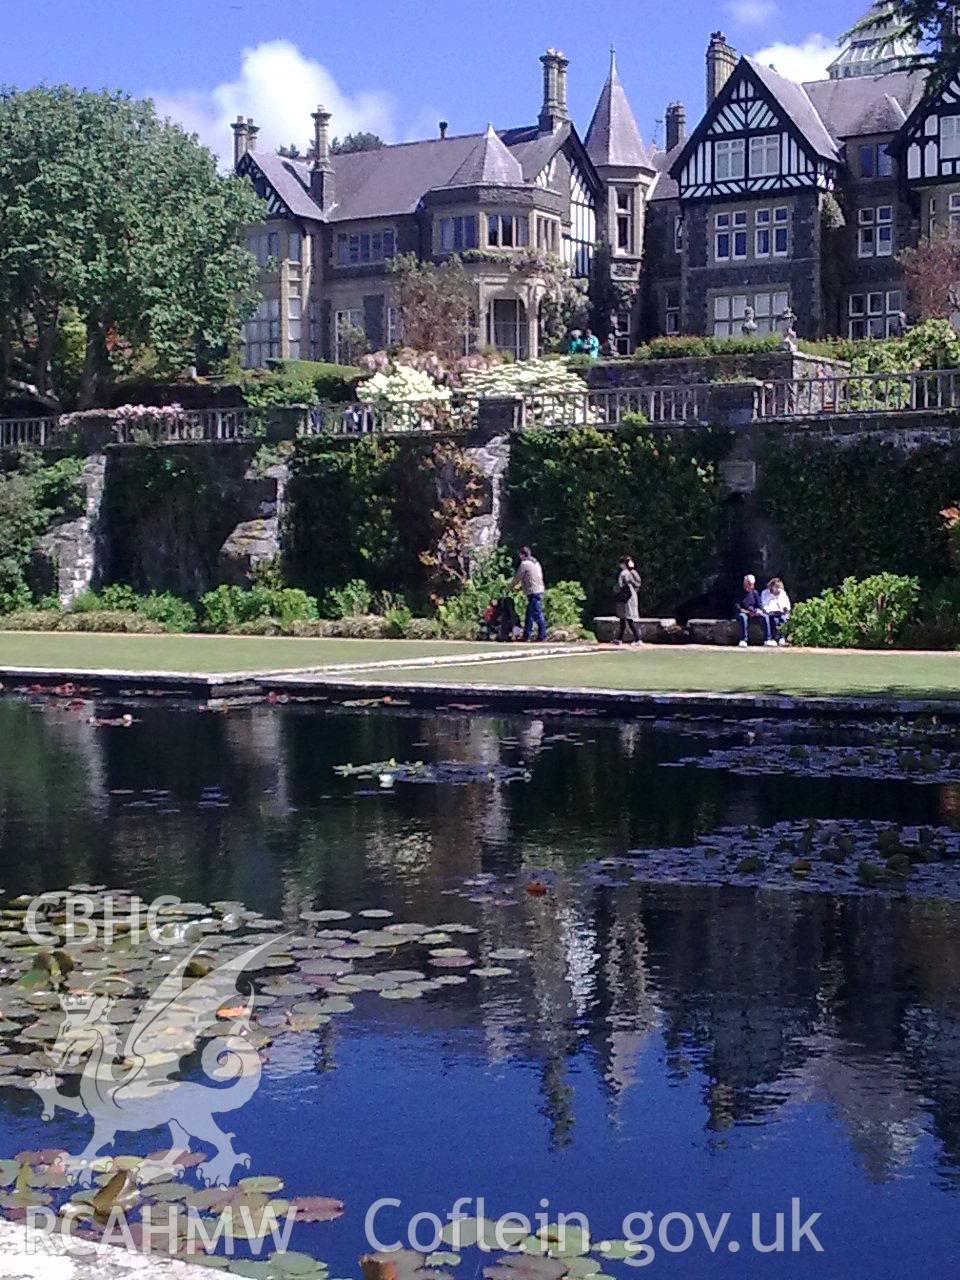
<point>776,605</point>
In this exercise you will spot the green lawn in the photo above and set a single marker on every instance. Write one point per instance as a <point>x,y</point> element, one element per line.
<point>85,652</point>
<point>787,671</point>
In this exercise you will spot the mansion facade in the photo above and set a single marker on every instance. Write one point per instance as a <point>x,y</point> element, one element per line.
<point>787,204</point>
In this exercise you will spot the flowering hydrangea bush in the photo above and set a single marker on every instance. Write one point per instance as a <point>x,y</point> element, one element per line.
<point>554,394</point>
<point>409,398</point>
<point>429,362</point>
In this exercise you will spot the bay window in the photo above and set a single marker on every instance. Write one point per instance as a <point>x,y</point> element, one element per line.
<point>458,233</point>
<point>507,231</point>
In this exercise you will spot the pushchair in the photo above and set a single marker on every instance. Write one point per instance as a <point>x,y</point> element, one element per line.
<point>500,620</point>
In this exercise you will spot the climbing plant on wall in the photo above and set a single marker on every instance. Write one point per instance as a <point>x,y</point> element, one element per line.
<point>856,509</point>
<point>583,498</point>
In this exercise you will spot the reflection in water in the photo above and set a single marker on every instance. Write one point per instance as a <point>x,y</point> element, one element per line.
<point>731,1012</point>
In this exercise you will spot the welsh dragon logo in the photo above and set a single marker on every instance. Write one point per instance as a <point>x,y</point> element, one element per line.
<point>132,1089</point>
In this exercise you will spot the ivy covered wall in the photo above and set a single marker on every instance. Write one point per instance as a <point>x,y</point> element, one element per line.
<point>360,509</point>
<point>843,505</point>
<point>583,498</point>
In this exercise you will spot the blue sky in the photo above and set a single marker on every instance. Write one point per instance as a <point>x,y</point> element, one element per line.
<point>397,66</point>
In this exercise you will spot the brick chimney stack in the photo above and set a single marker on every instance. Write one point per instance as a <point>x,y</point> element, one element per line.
<point>721,64</point>
<point>554,110</point>
<point>444,126</point>
<point>321,174</point>
<point>676,124</point>
<point>240,140</point>
<point>252,132</point>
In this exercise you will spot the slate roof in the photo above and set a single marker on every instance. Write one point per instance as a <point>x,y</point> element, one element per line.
<point>664,186</point>
<point>393,179</point>
<point>488,164</point>
<point>866,104</point>
<point>613,137</point>
<point>798,107</point>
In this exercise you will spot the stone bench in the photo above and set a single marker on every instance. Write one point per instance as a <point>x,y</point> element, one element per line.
<point>722,631</point>
<point>713,631</point>
<point>653,630</point>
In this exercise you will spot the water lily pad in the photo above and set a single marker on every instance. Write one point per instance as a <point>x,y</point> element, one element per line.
<point>443,1259</point>
<point>317,1208</point>
<point>449,951</point>
<point>376,913</point>
<point>492,971</point>
<point>451,962</point>
<point>510,953</point>
<point>379,938</point>
<point>408,991</point>
<point>353,952</point>
<point>336,1004</point>
<point>298,1264</point>
<point>323,916</point>
<point>267,1182</point>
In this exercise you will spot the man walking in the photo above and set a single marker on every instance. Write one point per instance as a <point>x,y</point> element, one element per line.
<point>529,578</point>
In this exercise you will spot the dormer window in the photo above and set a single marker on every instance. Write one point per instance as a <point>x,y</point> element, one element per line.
<point>765,155</point>
<point>507,231</point>
<point>729,158</point>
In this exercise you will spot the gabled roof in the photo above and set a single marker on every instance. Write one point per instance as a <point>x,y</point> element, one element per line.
<point>797,107</point>
<point>926,101</point>
<point>863,105</point>
<point>613,137</point>
<point>787,98</point>
<point>488,164</point>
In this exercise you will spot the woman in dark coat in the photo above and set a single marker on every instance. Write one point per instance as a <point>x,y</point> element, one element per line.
<point>628,600</point>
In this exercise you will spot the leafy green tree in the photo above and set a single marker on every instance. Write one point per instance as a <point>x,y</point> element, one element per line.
<point>119,221</point>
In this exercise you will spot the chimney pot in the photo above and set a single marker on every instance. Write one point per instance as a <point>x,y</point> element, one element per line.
<point>240,140</point>
<point>444,126</point>
<point>721,64</point>
<point>321,173</point>
<point>554,110</point>
<point>676,124</point>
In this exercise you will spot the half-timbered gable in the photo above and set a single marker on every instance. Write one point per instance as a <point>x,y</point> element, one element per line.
<point>929,141</point>
<point>761,135</point>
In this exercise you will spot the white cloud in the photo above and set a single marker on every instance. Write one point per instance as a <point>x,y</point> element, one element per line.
<point>806,61</point>
<point>751,13</point>
<point>279,87</point>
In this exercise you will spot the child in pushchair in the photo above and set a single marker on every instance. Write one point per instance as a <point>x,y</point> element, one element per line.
<point>501,621</point>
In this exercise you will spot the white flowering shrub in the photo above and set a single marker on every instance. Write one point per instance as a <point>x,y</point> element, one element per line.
<point>408,398</point>
<point>554,394</point>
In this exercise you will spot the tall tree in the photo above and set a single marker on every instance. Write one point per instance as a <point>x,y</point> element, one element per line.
<point>933,24</point>
<point>436,305</point>
<point>114,217</point>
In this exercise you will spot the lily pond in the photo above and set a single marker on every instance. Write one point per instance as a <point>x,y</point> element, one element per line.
<point>544,964</point>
